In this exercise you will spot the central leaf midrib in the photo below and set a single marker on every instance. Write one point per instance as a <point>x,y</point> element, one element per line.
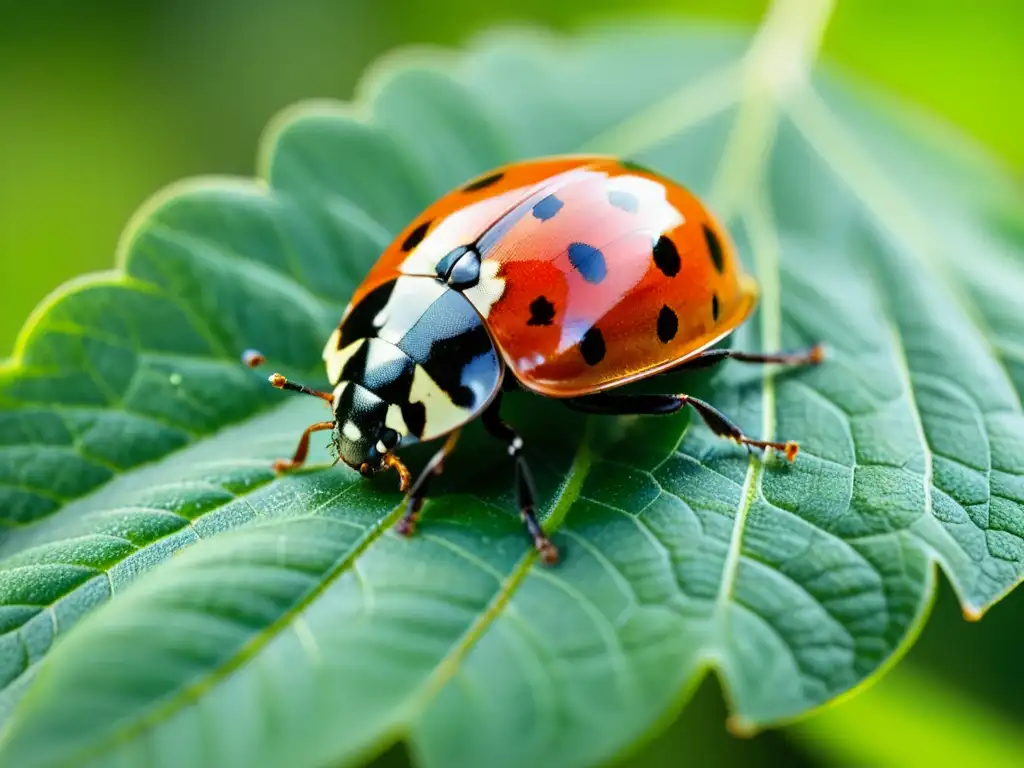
<point>766,258</point>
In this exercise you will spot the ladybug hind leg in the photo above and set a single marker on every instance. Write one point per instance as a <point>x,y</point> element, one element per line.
<point>526,493</point>
<point>640,405</point>
<point>711,357</point>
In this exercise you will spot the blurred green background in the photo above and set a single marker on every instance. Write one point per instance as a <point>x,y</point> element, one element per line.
<point>103,103</point>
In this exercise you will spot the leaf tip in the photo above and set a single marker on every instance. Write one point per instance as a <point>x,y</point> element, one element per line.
<point>740,728</point>
<point>972,613</point>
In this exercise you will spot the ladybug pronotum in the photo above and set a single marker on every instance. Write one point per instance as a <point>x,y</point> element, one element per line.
<point>567,276</point>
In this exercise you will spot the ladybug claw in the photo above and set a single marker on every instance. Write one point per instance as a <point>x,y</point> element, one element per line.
<point>548,551</point>
<point>283,465</point>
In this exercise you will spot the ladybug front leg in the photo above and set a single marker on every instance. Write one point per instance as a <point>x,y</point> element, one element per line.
<point>526,493</point>
<point>302,450</point>
<point>640,405</point>
<point>414,503</point>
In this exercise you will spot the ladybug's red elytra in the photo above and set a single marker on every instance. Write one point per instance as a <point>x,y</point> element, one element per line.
<point>568,276</point>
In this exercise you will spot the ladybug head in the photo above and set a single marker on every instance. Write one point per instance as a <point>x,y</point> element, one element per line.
<point>361,438</point>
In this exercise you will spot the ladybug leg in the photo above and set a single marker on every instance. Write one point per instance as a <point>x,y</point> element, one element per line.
<point>302,450</point>
<point>718,422</point>
<point>525,490</point>
<point>414,502</point>
<point>723,426</point>
<point>253,359</point>
<point>710,357</point>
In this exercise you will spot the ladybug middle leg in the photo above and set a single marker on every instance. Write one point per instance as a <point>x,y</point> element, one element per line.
<point>718,422</point>
<point>639,405</point>
<point>525,490</point>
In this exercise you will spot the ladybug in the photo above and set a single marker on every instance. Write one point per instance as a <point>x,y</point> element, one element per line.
<point>567,276</point>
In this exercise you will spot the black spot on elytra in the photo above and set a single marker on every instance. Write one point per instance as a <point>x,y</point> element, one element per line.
<point>415,417</point>
<point>416,236</point>
<point>714,308</point>
<point>547,208</point>
<point>666,257</point>
<point>714,248</point>
<point>592,347</point>
<point>542,312</point>
<point>588,261</point>
<point>486,181</point>
<point>623,200</point>
<point>668,324</point>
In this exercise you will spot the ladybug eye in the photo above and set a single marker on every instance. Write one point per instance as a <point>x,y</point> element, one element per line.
<point>388,439</point>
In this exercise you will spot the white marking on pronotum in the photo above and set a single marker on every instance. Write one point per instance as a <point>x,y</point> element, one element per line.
<point>395,420</point>
<point>409,300</point>
<point>332,343</point>
<point>335,358</point>
<point>338,391</point>
<point>442,415</point>
<point>351,431</point>
<point>381,355</point>
<point>381,447</point>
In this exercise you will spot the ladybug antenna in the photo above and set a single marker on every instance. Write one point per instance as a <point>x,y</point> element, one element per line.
<point>390,461</point>
<point>279,381</point>
<point>254,359</point>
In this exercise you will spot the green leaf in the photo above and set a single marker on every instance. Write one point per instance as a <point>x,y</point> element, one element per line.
<point>312,635</point>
